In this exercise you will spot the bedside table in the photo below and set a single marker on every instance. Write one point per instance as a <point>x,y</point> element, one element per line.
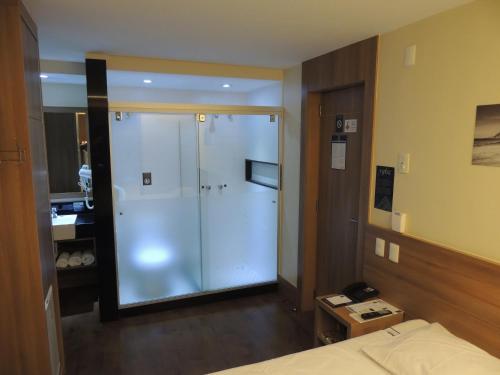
<point>333,324</point>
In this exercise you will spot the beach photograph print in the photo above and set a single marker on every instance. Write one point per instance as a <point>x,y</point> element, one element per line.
<point>486,150</point>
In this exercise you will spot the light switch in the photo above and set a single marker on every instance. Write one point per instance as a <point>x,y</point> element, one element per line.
<point>403,163</point>
<point>380,247</point>
<point>146,178</point>
<point>411,55</point>
<point>394,252</point>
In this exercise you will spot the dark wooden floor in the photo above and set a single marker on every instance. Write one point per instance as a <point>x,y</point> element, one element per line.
<point>189,340</point>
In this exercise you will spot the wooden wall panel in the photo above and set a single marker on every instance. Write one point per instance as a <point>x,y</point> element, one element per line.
<point>439,285</point>
<point>349,66</point>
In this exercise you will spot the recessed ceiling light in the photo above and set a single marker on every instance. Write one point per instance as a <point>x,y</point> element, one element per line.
<point>44,76</point>
<point>226,85</point>
<point>148,81</point>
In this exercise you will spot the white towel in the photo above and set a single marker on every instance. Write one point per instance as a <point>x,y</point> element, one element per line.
<point>88,258</point>
<point>75,259</point>
<point>62,260</point>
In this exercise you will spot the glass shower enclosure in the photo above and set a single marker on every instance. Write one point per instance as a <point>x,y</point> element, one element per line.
<point>196,203</point>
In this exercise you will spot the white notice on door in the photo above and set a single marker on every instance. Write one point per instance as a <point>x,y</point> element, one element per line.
<point>351,126</point>
<point>338,154</point>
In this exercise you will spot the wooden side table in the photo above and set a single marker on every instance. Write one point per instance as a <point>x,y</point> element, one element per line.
<point>333,324</point>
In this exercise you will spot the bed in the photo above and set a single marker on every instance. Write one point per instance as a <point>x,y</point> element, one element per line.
<point>412,347</point>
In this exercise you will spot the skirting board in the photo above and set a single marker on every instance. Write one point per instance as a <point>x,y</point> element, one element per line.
<point>288,291</point>
<point>200,299</point>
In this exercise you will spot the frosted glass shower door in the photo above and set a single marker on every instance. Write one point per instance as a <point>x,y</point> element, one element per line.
<point>239,218</point>
<point>156,206</point>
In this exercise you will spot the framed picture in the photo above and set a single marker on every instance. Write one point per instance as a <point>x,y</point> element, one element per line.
<point>486,149</point>
<point>384,188</point>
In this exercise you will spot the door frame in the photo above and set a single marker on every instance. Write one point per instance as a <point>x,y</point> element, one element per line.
<point>354,65</point>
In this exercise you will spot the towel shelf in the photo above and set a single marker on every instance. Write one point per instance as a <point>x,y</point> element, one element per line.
<point>77,277</point>
<point>78,285</point>
<point>76,268</point>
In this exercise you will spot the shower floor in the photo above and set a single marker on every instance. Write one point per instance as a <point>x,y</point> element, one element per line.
<point>225,276</point>
<point>169,285</point>
<point>178,284</point>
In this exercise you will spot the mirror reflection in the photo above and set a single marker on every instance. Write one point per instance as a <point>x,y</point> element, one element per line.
<point>67,139</point>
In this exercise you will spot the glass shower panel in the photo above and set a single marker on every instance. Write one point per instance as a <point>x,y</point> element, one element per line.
<point>156,206</point>
<point>239,217</point>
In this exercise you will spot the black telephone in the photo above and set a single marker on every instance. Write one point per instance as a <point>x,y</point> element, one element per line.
<point>360,291</point>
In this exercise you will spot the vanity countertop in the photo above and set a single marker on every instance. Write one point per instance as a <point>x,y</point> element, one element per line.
<point>84,225</point>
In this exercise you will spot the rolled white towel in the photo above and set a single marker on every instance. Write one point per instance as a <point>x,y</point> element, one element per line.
<point>62,260</point>
<point>88,258</point>
<point>75,259</point>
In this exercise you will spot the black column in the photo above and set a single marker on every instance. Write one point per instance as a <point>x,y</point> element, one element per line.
<point>97,97</point>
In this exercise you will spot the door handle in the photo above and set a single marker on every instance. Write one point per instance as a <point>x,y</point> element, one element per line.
<point>354,220</point>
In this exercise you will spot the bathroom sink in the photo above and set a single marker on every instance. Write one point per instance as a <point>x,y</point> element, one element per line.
<point>63,227</point>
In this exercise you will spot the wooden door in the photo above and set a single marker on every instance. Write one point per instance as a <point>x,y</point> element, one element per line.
<point>27,267</point>
<point>339,190</point>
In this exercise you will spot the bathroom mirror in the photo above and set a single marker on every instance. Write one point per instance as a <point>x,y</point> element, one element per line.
<point>67,135</point>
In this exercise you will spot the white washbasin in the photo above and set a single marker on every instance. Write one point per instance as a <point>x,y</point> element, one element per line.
<point>63,227</point>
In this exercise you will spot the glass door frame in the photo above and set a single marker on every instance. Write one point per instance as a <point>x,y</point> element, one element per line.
<point>195,110</point>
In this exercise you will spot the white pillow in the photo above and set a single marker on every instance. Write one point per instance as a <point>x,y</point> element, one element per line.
<point>432,350</point>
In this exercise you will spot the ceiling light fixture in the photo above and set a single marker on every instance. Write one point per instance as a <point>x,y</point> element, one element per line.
<point>148,81</point>
<point>226,85</point>
<point>44,76</point>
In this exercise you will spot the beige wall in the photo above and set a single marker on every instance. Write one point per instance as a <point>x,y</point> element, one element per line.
<point>291,173</point>
<point>429,111</point>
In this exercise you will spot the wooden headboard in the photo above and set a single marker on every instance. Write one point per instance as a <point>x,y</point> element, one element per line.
<point>439,285</point>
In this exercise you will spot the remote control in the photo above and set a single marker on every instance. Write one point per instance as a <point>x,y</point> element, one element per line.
<point>375,314</point>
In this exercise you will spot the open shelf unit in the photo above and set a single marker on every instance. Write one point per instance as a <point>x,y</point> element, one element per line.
<point>78,285</point>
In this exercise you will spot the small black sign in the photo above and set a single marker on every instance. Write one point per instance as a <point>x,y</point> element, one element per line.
<point>384,188</point>
<point>339,123</point>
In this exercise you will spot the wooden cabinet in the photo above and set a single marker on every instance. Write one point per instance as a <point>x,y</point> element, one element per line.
<point>30,334</point>
<point>31,69</point>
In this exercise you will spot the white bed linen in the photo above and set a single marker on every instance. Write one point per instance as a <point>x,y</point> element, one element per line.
<point>443,354</point>
<point>344,357</point>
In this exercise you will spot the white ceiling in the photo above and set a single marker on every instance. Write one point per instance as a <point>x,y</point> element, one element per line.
<point>270,33</point>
